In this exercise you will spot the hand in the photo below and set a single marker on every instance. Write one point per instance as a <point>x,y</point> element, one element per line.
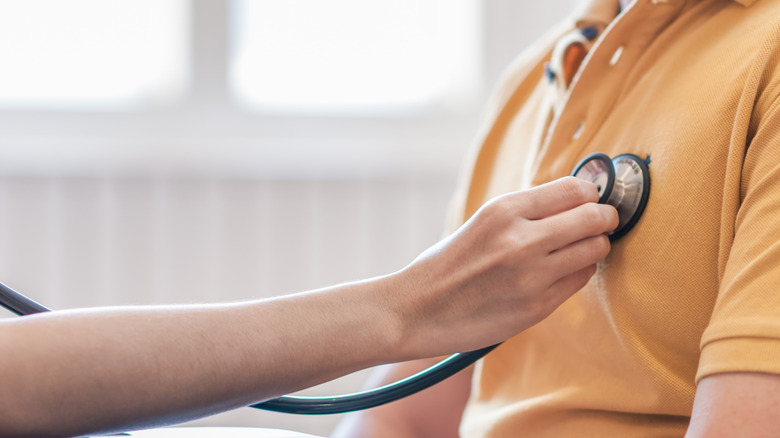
<point>511,265</point>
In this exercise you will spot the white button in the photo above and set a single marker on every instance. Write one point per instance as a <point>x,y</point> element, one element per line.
<point>578,131</point>
<point>616,56</point>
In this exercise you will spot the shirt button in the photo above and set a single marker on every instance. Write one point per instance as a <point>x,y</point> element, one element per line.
<point>616,56</point>
<point>590,32</point>
<point>578,131</point>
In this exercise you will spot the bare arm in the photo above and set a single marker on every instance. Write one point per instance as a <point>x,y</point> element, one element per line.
<point>435,412</point>
<point>736,404</point>
<point>78,372</point>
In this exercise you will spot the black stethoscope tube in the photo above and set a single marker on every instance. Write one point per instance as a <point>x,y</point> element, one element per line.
<point>378,396</point>
<point>21,305</point>
<point>18,303</point>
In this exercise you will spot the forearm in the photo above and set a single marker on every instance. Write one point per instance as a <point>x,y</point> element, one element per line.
<point>87,371</point>
<point>433,412</point>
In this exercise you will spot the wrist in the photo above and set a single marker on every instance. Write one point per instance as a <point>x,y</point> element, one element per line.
<point>379,313</point>
<point>409,292</point>
<point>395,317</point>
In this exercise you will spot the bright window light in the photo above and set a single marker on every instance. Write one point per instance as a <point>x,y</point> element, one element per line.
<point>92,54</point>
<point>354,56</point>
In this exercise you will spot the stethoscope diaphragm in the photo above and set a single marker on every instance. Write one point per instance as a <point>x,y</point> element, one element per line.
<point>623,182</point>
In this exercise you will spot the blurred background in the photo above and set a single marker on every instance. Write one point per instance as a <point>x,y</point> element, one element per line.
<point>187,151</point>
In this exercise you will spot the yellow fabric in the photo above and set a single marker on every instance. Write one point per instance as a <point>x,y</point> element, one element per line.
<point>694,288</point>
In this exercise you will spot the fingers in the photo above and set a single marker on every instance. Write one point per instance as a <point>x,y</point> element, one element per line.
<point>556,196</point>
<point>567,286</point>
<point>578,255</point>
<point>573,225</point>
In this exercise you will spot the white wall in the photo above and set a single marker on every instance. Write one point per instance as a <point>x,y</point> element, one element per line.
<point>190,222</point>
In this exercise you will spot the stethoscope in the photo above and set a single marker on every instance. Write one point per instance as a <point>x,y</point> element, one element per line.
<point>623,182</point>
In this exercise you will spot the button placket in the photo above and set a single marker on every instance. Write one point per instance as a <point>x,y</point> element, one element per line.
<point>580,107</point>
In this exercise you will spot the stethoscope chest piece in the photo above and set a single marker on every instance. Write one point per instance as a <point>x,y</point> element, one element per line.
<point>623,182</point>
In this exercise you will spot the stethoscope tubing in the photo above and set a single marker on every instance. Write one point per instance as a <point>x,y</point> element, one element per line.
<point>18,303</point>
<point>378,396</point>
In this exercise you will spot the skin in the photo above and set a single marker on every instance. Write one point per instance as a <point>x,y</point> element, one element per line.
<point>96,371</point>
<point>736,404</point>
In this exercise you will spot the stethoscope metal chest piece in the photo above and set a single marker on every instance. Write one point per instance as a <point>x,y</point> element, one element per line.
<point>623,182</point>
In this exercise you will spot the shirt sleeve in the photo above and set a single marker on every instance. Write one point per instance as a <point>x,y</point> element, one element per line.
<point>744,330</point>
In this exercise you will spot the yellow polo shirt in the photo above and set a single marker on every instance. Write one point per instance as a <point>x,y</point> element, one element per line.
<point>694,288</point>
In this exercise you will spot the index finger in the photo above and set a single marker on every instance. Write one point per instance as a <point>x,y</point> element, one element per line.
<point>556,197</point>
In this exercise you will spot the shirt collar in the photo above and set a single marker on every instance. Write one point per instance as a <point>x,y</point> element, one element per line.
<point>603,11</point>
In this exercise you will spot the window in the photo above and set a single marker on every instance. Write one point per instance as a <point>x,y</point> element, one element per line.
<point>240,88</point>
<point>354,56</point>
<point>92,54</point>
